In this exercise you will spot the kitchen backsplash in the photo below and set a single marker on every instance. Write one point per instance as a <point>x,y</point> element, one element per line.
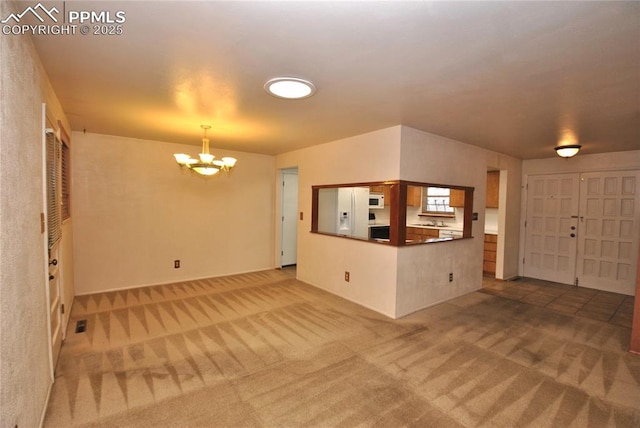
<point>491,218</point>
<point>382,216</point>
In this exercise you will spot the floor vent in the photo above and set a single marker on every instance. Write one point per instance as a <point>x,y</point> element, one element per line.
<point>81,326</point>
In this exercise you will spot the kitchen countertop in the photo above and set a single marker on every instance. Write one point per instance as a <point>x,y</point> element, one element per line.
<point>428,240</point>
<point>428,226</point>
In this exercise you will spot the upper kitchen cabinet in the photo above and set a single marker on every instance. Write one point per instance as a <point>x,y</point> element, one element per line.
<point>384,190</point>
<point>414,196</point>
<point>493,186</point>
<point>456,198</point>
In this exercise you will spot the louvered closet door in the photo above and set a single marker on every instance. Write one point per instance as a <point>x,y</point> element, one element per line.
<point>609,231</point>
<point>552,209</point>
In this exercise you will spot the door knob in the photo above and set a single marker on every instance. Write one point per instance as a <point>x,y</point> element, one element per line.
<point>51,277</point>
<point>54,262</point>
<point>573,235</point>
<point>573,228</point>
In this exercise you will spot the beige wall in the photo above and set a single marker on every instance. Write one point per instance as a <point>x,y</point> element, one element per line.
<point>423,271</point>
<point>397,281</point>
<point>614,161</point>
<point>322,260</point>
<point>25,375</point>
<point>134,212</point>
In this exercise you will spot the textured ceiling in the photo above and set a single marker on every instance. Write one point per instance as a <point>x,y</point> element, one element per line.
<point>514,77</point>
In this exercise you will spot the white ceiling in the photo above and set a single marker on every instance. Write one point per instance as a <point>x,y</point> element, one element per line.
<point>514,77</point>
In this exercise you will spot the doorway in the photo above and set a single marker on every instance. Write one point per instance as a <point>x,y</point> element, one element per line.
<point>583,229</point>
<point>289,238</point>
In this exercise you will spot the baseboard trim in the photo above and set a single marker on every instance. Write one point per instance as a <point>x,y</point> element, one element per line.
<point>364,305</point>
<point>131,287</point>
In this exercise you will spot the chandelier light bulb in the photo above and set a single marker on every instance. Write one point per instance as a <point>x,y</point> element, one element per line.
<point>205,164</point>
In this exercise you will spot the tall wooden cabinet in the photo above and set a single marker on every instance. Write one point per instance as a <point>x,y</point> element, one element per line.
<point>493,186</point>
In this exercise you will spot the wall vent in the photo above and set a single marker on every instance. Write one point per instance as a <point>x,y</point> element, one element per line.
<point>81,326</point>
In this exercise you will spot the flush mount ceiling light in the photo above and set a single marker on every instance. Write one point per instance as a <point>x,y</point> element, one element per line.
<point>568,151</point>
<point>291,88</point>
<point>205,165</point>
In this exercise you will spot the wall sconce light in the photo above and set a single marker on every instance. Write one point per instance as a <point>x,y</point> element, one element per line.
<point>568,151</point>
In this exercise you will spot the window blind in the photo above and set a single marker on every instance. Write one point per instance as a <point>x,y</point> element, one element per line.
<point>53,184</point>
<point>65,182</point>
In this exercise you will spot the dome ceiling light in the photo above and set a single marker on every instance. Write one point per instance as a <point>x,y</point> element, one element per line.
<point>290,88</point>
<point>568,151</point>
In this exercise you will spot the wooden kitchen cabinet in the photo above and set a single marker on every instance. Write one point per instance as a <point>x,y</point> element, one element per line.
<point>414,196</point>
<point>414,234</point>
<point>493,187</point>
<point>385,190</point>
<point>456,198</point>
<point>421,233</point>
<point>490,249</point>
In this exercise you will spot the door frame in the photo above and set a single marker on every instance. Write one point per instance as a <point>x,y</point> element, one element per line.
<point>279,200</point>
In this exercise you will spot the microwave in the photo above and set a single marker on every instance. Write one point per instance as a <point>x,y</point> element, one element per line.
<point>376,201</point>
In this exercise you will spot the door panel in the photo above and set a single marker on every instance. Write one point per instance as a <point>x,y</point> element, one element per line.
<point>609,230</point>
<point>552,209</point>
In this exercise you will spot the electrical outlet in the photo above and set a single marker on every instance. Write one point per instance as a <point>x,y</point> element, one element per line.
<point>176,264</point>
<point>346,276</point>
<point>451,277</point>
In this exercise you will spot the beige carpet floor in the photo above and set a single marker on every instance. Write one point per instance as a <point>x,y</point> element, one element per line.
<point>265,350</point>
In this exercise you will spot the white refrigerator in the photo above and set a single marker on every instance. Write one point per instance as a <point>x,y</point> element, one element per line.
<point>353,212</point>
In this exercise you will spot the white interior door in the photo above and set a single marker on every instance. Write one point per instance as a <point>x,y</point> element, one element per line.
<point>551,227</point>
<point>289,217</point>
<point>609,230</point>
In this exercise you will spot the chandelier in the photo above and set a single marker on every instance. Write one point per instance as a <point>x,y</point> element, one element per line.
<point>205,163</point>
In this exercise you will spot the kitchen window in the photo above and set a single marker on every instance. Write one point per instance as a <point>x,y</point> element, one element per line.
<point>436,200</point>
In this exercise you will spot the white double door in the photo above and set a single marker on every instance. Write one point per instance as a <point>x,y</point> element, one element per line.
<point>584,229</point>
